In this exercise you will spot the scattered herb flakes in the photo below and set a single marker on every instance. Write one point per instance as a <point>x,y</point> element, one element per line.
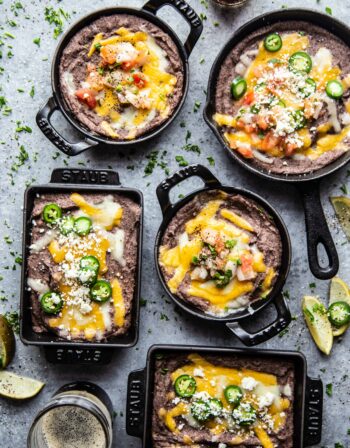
<point>12,318</point>
<point>37,41</point>
<point>283,332</point>
<point>12,23</point>
<point>202,16</point>
<point>19,260</point>
<point>183,124</point>
<point>21,158</point>
<point>55,17</point>
<point>164,371</point>
<point>329,389</point>
<point>344,189</point>
<point>15,7</point>
<point>312,285</point>
<point>7,239</point>
<point>216,24</point>
<point>20,90</point>
<point>181,161</point>
<point>164,317</point>
<point>23,128</point>
<point>338,445</point>
<point>211,161</point>
<point>155,160</point>
<point>10,35</point>
<point>32,92</point>
<point>204,3</point>
<point>328,10</point>
<point>143,302</point>
<point>181,196</point>
<point>197,105</point>
<point>202,60</point>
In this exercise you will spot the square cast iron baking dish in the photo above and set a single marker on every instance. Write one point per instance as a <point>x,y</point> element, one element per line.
<point>57,349</point>
<point>308,397</point>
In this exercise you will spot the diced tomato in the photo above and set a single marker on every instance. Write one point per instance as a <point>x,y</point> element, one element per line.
<point>249,128</point>
<point>139,80</point>
<point>127,65</point>
<point>245,151</point>
<point>247,262</point>
<point>249,98</point>
<point>269,142</point>
<point>87,96</point>
<point>262,122</point>
<point>240,124</point>
<point>290,149</point>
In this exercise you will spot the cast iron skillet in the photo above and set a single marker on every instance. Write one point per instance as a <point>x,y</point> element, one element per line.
<point>232,321</point>
<point>308,397</point>
<point>56,102</point>
<point>59,350</point>
<point>308,184</point>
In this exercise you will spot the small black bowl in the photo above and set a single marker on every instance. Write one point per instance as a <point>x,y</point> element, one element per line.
<point>232,321</point>
<point>56,101</point>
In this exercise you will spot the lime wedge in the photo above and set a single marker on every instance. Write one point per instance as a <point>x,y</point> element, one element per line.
<point>7,343</point>
<point>341,205</point>
<point>315,314</point>
<point>339,292</point>
<point>18,387</point>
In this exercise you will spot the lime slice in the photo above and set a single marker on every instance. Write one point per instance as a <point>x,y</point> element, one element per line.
<point>341,205</point>
<point>18,387</point>
<point>7,343</point>
<point>339,292</point>
<point>316,318</point>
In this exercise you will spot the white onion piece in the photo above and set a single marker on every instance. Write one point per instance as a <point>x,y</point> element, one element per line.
<point>245,59</point>
<point>332,109</point>
<point>298,157</point>
<point>345,118</point>
<point>318,110</point>
<point>262,157</point>
<point>38,285</point>
<point>42,242</point>
<point>240,69</point>
<point>252,52</point>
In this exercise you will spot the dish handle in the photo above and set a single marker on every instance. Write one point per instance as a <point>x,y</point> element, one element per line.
<point>164,187</point>
<point>317,232</point>
<point>313,412</point>
<point>43,120</point>
<point>84,176</point>
<point>135,404</point>
<point>187,12</point>
<point>282,321</point>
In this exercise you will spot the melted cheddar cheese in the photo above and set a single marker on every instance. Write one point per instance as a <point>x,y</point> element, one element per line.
<point>233,235</point>
<point>211,381</point>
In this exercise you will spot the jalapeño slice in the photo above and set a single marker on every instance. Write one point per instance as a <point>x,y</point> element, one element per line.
<point>215,406</point>
<point>89,261</point>
<point>87,275</point>
<point>273,42</point>
<point>339,313</point>
<point>51,302</point>
<point>310,87</point>
<point>233,394</point>
<point>82,225</point>
<point>101,291</point>
<point>52,213</point>
<point>66,225</point>
<point>244,415</point>
<point>298,119</point>
<point>238,87</point>
<point>200,410</point>
<point>334,89</point>
<point>300,62</point>
<point>185,386</point>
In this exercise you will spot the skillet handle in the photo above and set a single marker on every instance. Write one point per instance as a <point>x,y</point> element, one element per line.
<point>135,404</point>
<point>43,120</point>
<point>282,321</point>
<point>187,12</point>
<point>313,412</point>
<point>84,176</point>
<point>317,232</point>
<point>164,187</point>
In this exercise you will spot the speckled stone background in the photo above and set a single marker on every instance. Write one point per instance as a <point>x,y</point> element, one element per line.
<point>30,66</point>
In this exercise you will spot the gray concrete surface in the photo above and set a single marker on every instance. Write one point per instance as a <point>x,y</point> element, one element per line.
<point>30,66</point>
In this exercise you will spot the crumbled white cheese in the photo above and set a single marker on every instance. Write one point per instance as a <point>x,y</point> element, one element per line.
<point>198,372</point>
<point>287,390</point>
<point>249,383</point>
<point>266,400</point>
<point>222,445</point>
<point>176,400</point>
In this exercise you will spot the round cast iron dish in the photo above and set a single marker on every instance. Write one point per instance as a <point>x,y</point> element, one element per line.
<point>308,184</point>
<point>232,321</point>
<point>56,101</point>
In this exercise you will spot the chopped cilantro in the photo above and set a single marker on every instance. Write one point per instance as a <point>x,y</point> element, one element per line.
<point>181,161</point>
<point>211,161</point>
<point>164,317</point>
<point>230,244</point>
<point>309,315</point>
<point>328,10</point>
<point>36,41</point>
<point>12,23</point>
<point>55,17</point>
<point>21,128</point>
<point>203,16</point>
<point>202,60</point>
<point>12,318</point>
<point>329,389</point>
<point>143,302</point>
<point>312,285</point>
<point>344,189</point>
<point>98,46</point>
<point>197,105</point>
<point>32,92</point>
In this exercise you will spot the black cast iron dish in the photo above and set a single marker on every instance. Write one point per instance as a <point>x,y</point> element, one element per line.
<point>56,349</point>
<point>56,102</point>
<point>308,184</point>
<point>232,321</point>
<point>308,399</point>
